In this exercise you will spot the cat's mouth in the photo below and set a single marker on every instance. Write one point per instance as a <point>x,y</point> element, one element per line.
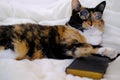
<point>92,31</point>
<point>89,28</point>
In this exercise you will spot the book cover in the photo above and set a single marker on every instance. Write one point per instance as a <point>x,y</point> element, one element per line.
<point>92,66</point>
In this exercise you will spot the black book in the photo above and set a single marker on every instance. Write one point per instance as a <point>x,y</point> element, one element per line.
<point>93,66</point>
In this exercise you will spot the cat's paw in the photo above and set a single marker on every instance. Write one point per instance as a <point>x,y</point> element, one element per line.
<point>109,52</point>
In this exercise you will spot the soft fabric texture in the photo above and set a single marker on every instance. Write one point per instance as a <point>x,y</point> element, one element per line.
<point>52,12</point>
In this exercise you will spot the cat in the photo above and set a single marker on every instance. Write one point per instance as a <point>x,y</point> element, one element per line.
<point>81,36</point>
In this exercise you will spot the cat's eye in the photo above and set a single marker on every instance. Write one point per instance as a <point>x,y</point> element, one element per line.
<point>84,14</point>
<point>98,15</point>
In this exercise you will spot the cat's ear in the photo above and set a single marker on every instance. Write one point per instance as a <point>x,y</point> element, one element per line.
<point>100,7</point>
<point>76,5</point>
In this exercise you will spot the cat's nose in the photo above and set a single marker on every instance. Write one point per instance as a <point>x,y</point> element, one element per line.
<point>90,24</point>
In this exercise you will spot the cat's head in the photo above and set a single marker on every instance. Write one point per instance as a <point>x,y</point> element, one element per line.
<point>84,18</point>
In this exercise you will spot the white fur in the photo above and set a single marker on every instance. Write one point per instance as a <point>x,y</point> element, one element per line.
<point>109,52</point>
<point>93,36</point>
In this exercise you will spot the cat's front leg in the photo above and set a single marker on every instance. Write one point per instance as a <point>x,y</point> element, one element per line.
<point>81,50</point>
<point>87,49</point>
<point>106,51</point>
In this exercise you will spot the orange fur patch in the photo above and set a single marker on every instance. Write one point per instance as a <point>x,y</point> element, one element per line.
<point>20,48</point>
<point>85,51</point>
<point>37,54</point>
<point>29,35</point>
<point>2,48</point>
<point>70,35</point>
<point>17,29</point>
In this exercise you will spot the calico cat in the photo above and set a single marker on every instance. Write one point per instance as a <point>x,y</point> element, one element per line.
<point>80,37</point>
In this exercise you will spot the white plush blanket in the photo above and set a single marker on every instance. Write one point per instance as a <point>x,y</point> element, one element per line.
<point>53,12</point>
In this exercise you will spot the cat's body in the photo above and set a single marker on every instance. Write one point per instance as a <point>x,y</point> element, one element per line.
<point>60,42</point>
